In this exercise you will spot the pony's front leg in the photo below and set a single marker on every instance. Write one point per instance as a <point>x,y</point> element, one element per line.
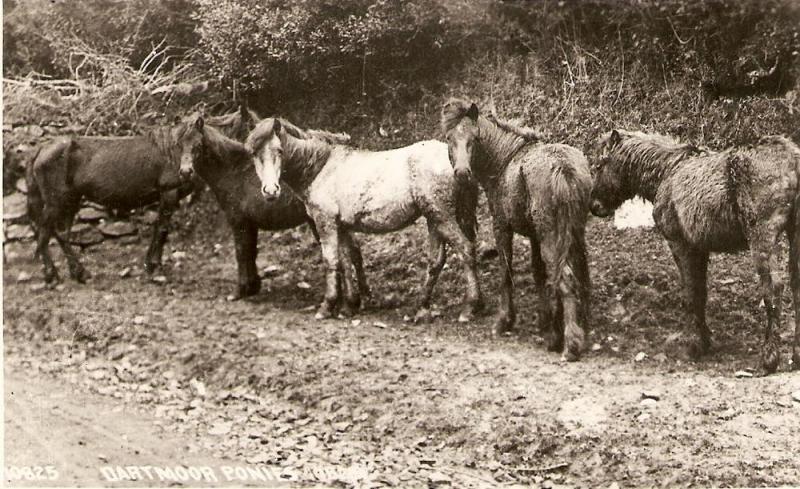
<point>693,266</point>
<point>453,234</point>
<point>329,241</point>
<point>245,238</point>
<point>167,203</point>
<point>503,237</point>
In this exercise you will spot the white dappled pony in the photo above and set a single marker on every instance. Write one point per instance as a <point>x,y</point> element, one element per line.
<point>348,190</point>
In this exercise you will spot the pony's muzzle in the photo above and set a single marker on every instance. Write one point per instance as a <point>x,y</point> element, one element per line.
<point>186,172</point>
<point>270,192</point>
<point>598,209</point>
<point>463,173</point>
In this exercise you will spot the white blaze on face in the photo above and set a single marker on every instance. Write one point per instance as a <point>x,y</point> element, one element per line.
<point>268,163</point>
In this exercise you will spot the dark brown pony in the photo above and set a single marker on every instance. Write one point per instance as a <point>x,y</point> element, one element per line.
<point>705,202</point>
<point>227,168</point>
<point>118,172</point>
<point>540,191</point>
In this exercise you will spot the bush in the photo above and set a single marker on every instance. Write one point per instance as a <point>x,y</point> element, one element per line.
<point>34,29</point>
<point>279,49</point>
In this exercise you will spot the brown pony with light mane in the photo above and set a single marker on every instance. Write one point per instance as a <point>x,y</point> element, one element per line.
<point>705,201</point>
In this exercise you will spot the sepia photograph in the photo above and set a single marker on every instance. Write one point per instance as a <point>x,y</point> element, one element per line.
<point>546,244</point>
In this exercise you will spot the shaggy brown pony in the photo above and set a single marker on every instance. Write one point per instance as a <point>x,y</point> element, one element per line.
<point>540,191</point>
<point>704,202</point>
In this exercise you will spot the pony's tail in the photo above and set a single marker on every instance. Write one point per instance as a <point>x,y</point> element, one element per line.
<point>466,197</point>
<point>570,207</point>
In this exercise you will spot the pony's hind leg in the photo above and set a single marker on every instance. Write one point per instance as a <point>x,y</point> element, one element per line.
<point>167,203</point>
<point>64,238</point>
<point>437,255</point>
<point>563,295</point>
<point>794,277</point>
<point>354,255</point>
<point>539,270</point>
<point>347,264</point>
<point>764,246</point>
<point>43,249</point>
<point>693,268</point>
<point>452,233</point>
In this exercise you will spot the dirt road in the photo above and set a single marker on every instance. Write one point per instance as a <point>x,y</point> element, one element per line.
<point>380,401</point>
<point>56,435</point>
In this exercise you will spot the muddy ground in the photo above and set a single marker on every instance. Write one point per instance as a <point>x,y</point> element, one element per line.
<point>378,400</point>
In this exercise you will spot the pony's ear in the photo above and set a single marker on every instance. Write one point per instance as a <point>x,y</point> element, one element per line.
<point>614,139</point>
<point>198,124</point>
<point>277,127</point>
<point>473,112</point>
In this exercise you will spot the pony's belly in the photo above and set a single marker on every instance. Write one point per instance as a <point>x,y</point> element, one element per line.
<point>722,233</point>
<point>380,219</point>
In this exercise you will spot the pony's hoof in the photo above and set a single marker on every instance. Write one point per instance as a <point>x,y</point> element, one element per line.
<point>569,356</point>
<point>151,268</point>
<point>555,344</point>
<point>324,312</point>
<point>796,360</point>
<point>82,276</point>
<point>698,349</point>
<point>466,317</point>
<point>423,315</point>
<point>365,291</point>
<point>79,274</point>
<point>51,276</point>
<point>350,309</point>
<point>771,360</point>
<point>247,290</point>
<point>503,326</point>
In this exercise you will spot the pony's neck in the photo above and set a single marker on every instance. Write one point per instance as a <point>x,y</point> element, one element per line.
<point>497,147</point>
<point>222,154</point>
<point>303,160</point>
<point>649,164</point>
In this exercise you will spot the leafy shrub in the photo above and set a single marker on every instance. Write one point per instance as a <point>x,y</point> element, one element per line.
<point>280,48</point>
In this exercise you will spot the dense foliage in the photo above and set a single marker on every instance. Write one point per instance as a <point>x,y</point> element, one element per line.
<point>716,71</point>
<point>283,47</point>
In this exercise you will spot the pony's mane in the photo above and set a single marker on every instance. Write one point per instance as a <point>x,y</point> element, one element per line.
<point>220,143</point>
<point>526,133</point>
<point>266,127</point>
<point>455,109</point>
<point>166,138</point>
<point>651,149</point>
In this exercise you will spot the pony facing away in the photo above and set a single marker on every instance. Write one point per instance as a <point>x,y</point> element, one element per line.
<point>347,190</point>
<point>227,168</point>
<point>540,191</point>
<point>118,172</point>
<point>707,202</point>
